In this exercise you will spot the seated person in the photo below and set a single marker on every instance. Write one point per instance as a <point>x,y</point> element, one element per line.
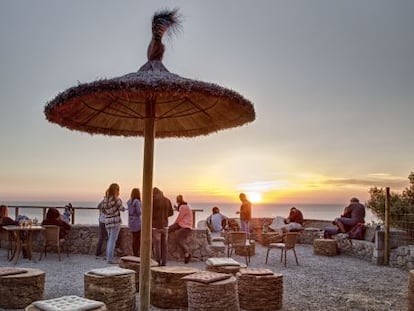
<point>68,213</point>
<point>53,217</point>
<point>5,220</point>
<point>216,222</point>
<point>294,222</point>
<point>353,214</point>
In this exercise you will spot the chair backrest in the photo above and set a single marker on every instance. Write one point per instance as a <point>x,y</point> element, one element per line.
<point>237,238</point>
<point>51,233</point>
<point>290,239</point>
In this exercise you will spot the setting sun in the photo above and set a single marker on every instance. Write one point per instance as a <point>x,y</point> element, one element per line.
<point>254,197</point>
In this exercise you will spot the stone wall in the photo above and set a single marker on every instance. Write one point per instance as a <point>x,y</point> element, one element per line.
<point>402,257</point>
<point>82,239</point>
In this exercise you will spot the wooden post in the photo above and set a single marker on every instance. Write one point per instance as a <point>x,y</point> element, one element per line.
<point>387,227</point>
<point>72,218</point>
<point>146,226</point>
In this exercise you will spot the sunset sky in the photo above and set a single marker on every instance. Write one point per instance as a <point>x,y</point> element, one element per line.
<point>332,83</point>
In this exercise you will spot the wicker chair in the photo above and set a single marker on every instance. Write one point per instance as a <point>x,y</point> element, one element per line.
<point>288,243</point>
<point>51,237</point>
<point>238,239</point>
<point>8,238</point>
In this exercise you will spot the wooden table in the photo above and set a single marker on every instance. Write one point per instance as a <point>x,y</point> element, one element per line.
<point>20,242</point>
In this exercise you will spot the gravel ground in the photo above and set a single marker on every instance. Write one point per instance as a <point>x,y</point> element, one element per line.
<point>318,283</point>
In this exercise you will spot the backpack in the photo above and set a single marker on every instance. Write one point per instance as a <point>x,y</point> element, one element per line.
<point>357,232</point>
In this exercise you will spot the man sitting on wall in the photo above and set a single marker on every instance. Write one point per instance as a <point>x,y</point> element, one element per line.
<point>294,222</point>
<point>216,222</point>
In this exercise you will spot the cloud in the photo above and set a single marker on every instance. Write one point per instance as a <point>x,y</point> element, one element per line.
<point>378,181</point>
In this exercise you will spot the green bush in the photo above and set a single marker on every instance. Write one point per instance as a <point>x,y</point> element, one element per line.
<point>401,206</point>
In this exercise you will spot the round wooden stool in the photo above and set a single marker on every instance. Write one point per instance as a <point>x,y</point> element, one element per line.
<point>67,303</point>
<point>168,291</point>
<point>134,263</point>
<point>411,290</point>
<point>219,295</point>
<point>325,247</point>
<point>20,287</point>
<point>260,289</point>
<point>113,286</point>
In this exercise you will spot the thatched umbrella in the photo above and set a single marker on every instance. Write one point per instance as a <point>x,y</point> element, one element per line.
<point>151,102</point>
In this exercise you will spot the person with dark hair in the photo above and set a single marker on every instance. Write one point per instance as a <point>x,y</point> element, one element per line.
<point>216,222</point>
<point>112,207</point>
<point>245,214</point>
<point>294,222</point>
<point>161,210</point>
<point>134,220</point>
<point>53,217</point>
<point>5,220</point>
<point>353,214</point>
<point>103,234</point>
<point>182,226</point>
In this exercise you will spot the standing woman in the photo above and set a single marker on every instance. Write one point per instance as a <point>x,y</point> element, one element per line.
<point>103,234</point>
<point>245,214</point>
<point>134,220</point>
<point>112,206</point>
<point>183,224</point>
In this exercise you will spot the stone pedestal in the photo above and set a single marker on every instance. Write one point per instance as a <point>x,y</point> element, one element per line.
<point>325,247</point>
<point>260,292</point>
<point>410,299</point>
<point>19,290</point>
<point>168,290</point>
<point>116,291</point>
<point>220,295</point>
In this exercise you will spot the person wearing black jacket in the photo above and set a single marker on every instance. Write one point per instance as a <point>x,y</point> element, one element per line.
<point>161,210</point>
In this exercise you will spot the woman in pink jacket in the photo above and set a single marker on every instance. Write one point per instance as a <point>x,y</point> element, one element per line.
<point>183,225</point>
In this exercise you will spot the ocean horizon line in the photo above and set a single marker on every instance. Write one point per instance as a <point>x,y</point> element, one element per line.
<point>321,211</point>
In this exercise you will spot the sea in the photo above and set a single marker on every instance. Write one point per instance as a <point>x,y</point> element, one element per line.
<point>90,216</point>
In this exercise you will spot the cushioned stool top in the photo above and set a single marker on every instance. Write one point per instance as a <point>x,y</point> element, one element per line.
<point>206,277</point>
<point>222,261</point>
<point>131,258</point>
<point>4,271</point>
<point>68,303</point>
<point>111,271</point>
<point>256,271</point>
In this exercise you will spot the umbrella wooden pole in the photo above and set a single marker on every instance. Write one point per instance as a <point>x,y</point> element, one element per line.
<point>146,227</point>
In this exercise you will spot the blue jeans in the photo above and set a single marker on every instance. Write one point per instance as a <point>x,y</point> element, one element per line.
<point>103,234</point>
<point>244,226</point>
<point>113,233</point>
